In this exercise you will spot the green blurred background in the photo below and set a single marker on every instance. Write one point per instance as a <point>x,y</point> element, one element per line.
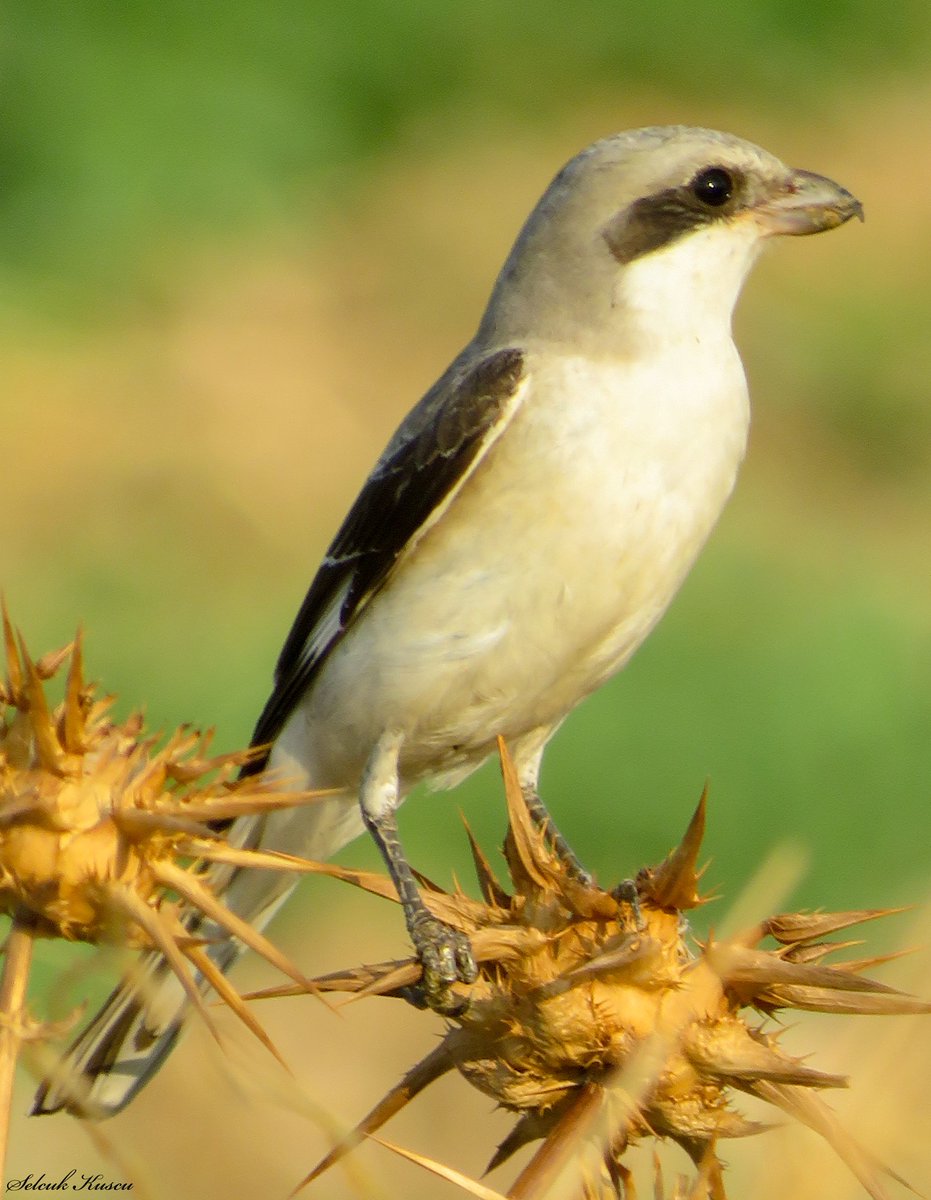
<point>238,241</point>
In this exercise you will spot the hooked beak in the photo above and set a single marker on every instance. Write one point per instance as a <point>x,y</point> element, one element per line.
<point>806,203</point>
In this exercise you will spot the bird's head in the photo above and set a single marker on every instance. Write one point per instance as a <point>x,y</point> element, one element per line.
<point>656,224</point>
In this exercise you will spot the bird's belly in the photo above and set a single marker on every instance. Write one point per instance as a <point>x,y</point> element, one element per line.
<point>546,573</point>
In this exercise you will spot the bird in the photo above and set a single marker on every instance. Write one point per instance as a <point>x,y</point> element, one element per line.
<point>525,528</point>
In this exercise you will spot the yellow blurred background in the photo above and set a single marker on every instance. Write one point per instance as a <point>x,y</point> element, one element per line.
<point>237,242</point>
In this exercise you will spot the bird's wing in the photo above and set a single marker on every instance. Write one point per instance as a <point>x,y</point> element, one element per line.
<point>433,452</point>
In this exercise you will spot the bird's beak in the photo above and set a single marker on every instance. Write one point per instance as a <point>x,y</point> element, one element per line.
<point>806,203</point>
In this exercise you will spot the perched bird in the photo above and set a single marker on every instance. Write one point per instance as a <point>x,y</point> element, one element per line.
<point>520,536</point>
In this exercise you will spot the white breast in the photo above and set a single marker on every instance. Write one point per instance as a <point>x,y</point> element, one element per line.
<point>544,575</point>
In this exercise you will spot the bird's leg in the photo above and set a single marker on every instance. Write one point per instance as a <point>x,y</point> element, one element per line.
<point>626,891</point>
<point>538,813</point>
<point>445,953</point>
<point>529,775</point>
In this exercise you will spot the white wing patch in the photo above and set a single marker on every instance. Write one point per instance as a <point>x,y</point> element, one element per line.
<point>327,628</point>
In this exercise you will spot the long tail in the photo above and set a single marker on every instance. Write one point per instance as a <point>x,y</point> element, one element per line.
<point>132,1034</point>
<point>135,1030</point>
<point>125,1043</point>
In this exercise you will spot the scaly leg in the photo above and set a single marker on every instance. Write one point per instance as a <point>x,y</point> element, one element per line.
<point>528,772</point>
<point>445,953</point>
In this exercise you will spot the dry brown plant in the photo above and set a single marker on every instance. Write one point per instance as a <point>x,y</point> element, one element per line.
<point>597,1019</point>
<point>109,836</point>
<point>599,1022</point>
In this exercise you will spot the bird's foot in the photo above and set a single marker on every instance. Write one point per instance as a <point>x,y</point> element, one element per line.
<point>574,868</point>
<point>538,813</point>
<point>626,893</point>
<point>446,959</point>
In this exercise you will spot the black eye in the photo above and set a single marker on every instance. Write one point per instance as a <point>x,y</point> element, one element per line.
<point>714,186</point>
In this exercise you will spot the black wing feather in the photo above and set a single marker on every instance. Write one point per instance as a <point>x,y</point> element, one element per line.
<point>429,454</point>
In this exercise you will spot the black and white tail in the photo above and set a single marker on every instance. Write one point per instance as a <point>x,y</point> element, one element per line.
<point>134,1031</point>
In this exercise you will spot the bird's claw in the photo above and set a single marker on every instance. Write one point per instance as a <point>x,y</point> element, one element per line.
<point>626,893</point>
<point>446,958</point>
<point>579,874</point>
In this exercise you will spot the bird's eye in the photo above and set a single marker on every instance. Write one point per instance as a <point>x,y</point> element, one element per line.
<point>713,187</point>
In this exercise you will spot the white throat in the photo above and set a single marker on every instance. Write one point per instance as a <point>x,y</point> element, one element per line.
<point>686,292</point>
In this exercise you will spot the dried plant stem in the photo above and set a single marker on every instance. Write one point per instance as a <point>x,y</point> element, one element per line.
<point>17,959</point>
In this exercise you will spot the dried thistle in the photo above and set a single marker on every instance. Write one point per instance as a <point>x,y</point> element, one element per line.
<point>596,1022</point>
<point>107,836</point>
